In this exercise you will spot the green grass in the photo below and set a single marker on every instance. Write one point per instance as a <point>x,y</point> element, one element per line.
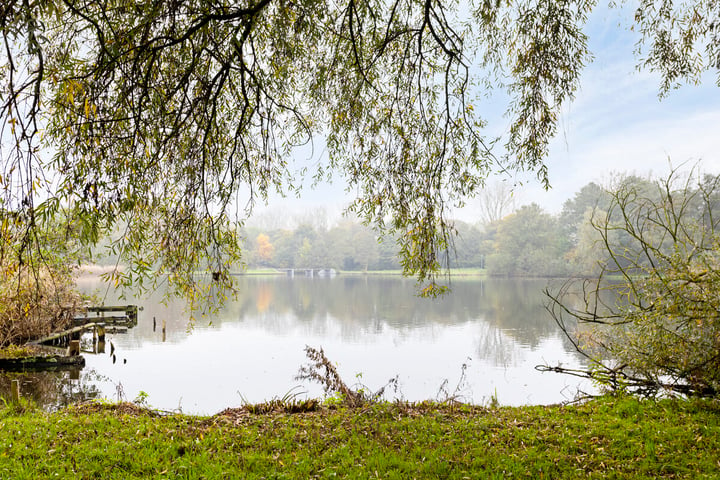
<point>606,438</point>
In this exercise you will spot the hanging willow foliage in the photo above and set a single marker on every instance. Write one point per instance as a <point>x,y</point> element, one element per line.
<point>158,118</point>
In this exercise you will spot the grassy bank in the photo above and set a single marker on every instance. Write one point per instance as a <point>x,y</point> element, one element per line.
<point>610,437</point>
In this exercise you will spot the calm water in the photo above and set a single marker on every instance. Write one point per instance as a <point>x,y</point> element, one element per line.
<point>373,329</point>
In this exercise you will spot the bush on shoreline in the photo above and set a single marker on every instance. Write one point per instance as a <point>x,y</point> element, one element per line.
<point>35,302</point>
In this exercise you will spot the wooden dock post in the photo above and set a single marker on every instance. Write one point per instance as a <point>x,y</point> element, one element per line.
<point>74,348</point>
<point>131,313</point>
<point>100,331</point>
<point>15,391</point>
<point>100,339</point>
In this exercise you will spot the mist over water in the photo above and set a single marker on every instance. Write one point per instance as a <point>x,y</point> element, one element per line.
<point>482,340</point>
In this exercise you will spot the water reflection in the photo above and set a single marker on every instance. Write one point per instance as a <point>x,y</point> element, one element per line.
<point>375,327</point>
<point>53,389</point>
<point>365,305</point>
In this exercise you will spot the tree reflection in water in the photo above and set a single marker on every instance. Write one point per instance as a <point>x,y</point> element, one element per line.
<point>374,326</point>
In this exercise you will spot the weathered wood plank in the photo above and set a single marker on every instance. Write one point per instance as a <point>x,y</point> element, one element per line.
<point>113,320</point>
<point>130,311</point>
<point>112,308</point>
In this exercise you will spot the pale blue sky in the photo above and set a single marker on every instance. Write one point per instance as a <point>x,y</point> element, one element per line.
<point>616,124</point>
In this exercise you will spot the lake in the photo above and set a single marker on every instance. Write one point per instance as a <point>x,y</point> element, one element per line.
<point>482,340</point>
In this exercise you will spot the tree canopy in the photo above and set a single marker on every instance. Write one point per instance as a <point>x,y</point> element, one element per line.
<point>161,117</point>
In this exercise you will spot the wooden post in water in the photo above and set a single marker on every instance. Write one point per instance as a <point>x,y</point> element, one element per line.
<point>15,391</point>
<point>100,337</point>
<point>163,329</point>
<point>131,313</point>
<point>100,330</point>
<point>74,349</point>
<point>73,337</point>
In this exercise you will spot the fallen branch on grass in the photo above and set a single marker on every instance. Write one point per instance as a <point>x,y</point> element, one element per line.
<point>322,371</point>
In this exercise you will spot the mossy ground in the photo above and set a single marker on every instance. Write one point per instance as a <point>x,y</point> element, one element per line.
<point>606,438</point>
<point>20,351</point>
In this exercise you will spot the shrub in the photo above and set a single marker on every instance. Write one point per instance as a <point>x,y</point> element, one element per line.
<point>34,302</point>
<point>660,330</point>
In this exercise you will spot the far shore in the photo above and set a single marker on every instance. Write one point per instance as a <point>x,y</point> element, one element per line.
<point>93,272</point>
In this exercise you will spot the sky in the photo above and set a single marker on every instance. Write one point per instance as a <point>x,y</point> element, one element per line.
<point>616,124</point>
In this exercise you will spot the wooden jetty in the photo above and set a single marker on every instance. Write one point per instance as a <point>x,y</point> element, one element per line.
<point>100,323</point>
<point>62,349</point>
<point>129,318</point>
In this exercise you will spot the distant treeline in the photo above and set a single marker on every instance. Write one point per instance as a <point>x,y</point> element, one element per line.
<point>527,242</point>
